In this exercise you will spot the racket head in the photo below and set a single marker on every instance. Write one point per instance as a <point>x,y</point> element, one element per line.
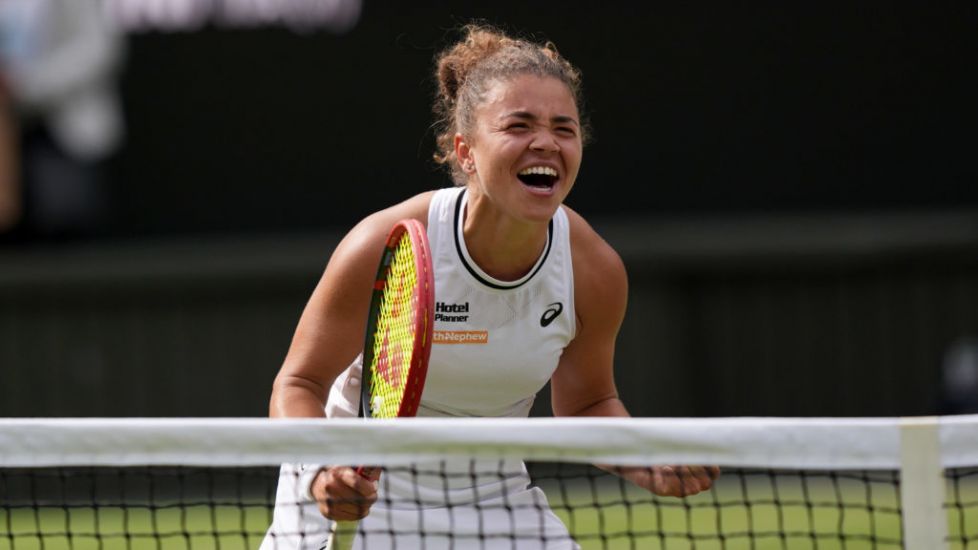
<point>400,324</point>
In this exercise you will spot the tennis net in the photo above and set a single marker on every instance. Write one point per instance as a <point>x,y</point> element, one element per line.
<point>822,484</point>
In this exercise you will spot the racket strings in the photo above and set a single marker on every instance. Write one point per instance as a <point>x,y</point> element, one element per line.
<point>394,337</point>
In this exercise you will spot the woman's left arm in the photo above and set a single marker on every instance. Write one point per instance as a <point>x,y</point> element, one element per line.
<point>584,384</point>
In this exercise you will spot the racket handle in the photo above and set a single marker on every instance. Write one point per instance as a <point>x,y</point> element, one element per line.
<point>341,535</point>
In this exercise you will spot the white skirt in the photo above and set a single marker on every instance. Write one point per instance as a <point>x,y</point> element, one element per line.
<point>487,505</point>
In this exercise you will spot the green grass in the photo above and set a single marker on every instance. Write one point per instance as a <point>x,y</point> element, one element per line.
<point>776,518</point>
<point>845,513</point>
<point>839,516</point>
<point>196,527</point>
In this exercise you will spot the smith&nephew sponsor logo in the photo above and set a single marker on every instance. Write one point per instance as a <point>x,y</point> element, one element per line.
<point>448,312</point>
<point>461,337</point>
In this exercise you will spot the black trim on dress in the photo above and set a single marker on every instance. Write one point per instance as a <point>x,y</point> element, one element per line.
<point>461,256</point>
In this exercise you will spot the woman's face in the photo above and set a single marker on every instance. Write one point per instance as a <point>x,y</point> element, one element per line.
<point>524,150</point>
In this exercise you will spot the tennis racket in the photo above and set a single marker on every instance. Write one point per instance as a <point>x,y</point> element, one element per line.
<point>398,339</point>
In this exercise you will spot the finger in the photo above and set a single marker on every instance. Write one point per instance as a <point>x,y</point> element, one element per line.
<point>370,472</point>
<point>347,511</point>
<point>343,494</point>
<point>688,482</point>
<point>706,476</point>
<point>666,482</point>
<point>702,478</point>
<point>691,480</point>
<point>345,506</point>
<point>359,481</point>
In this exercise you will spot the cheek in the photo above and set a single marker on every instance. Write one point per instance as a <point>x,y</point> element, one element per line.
<point>503,155</point>
<point>573,156</point>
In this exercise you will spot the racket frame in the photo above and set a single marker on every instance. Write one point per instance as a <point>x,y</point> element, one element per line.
<point>424,320</point>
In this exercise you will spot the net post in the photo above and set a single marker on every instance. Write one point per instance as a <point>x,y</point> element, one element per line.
<point>922,484</point>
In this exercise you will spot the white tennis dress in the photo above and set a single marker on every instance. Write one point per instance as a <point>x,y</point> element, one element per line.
<point>496,344</point>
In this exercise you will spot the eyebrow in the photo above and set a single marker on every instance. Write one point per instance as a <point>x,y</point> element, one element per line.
<point>526,115</point>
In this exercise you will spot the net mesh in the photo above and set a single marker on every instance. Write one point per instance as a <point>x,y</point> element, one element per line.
<point>135,507</point>
<point>489,499</point>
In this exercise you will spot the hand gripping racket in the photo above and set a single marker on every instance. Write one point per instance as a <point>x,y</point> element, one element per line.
<point>398,340</point>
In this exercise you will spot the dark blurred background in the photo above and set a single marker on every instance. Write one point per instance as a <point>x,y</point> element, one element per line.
<point>793,189</point>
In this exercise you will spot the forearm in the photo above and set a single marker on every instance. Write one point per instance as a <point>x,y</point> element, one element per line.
<point>663,480</point>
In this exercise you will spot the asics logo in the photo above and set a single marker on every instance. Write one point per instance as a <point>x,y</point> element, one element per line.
<point>553,310</point>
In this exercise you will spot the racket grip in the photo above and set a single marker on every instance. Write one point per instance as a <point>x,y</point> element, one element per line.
<point>341,535</point>
<point>365,471</point>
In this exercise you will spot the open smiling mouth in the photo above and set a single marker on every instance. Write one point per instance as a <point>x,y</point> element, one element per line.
<point>538,176</point>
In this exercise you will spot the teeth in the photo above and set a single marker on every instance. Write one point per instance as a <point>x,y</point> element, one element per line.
<point>542,170</point>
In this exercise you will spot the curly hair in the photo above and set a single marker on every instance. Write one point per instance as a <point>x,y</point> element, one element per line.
<point>466,70</point>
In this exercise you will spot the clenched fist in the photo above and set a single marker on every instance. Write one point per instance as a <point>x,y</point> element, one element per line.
<point>343,494</point>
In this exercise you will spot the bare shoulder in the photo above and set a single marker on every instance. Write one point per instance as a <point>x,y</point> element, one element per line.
<point>595,261</point>
<point>353,264</point>
<point>415,207</point>
<point>368,236</point>
<point>600,279</point>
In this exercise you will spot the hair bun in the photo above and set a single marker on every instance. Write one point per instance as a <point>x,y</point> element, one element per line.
<point>455,64</point>
<point>449,80</point>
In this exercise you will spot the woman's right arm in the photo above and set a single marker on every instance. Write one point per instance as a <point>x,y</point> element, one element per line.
<point>330,332</point>
<point>327,340</point>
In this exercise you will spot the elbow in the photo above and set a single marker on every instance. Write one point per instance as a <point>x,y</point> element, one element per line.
<point>296,396</point>
<point>607,405</point>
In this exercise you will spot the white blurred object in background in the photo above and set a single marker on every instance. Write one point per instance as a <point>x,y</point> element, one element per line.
<point>337,16</point>
<point>59,60</point>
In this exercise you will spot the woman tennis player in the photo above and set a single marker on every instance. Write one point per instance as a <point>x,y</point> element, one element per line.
<point>526,293</point>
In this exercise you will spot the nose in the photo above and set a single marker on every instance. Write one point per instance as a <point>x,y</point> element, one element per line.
<point>544,141</point>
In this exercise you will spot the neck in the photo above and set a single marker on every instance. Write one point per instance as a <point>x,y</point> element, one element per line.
<point>503,247</point>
